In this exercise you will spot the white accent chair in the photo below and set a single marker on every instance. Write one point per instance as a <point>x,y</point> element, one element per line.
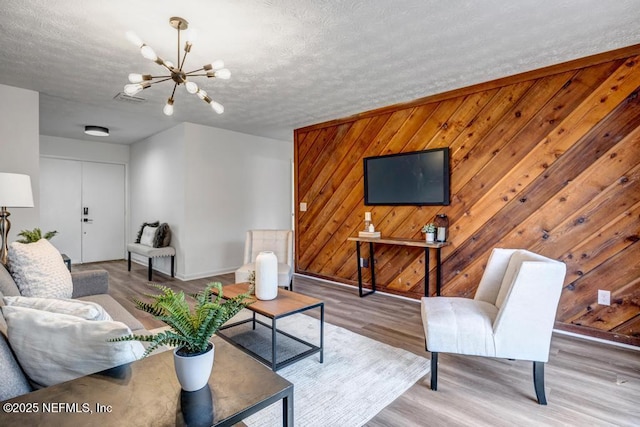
<point>511,316</point>
<point>278,241</point>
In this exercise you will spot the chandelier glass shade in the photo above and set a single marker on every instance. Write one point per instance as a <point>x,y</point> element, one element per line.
<point>176,73</point>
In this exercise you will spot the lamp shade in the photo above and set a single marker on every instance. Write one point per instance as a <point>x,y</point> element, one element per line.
<point>15,190</point>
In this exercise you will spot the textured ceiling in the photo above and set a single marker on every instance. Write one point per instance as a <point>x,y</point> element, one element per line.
<point>293,62</point>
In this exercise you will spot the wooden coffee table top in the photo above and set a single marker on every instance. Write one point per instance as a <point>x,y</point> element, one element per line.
<point>287,302</point>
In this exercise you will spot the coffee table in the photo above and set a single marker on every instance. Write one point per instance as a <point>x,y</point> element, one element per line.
<point>287,303</point>
<point>147,393</point>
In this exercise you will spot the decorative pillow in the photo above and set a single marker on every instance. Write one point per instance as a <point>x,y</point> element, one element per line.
<point>162,238</point>
<point>150,224</point>
<point>148,235</point>
<point>13,381</point>
<point>53,348</point>
<point>39,271</point>
<point>84,309</point>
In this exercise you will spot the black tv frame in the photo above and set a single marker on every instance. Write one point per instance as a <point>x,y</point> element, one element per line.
<point>445,179</point>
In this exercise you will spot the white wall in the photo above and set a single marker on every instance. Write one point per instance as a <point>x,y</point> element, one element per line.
<point>210,185</point>
<point>19,149</point>
<point>234,182</point>
<point>157,189</point>
<point>76,149</point>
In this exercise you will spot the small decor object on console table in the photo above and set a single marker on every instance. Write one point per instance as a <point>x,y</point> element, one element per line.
<point>266,276</point>
<point>430,232</point>
<point>442,225</point>
<point>191,329</point>
<point>369,229</point>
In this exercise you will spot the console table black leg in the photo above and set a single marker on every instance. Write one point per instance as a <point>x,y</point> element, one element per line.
<point>438,272</point>
<point>372,267</point>
<point>426,272</point>
<point>359,268</point>
<point>129,262</point>
<point>322,333</point>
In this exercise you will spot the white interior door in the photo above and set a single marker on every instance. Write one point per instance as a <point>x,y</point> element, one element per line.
<point>103,211</point>
<point>60,203</point>
<point>67,187</point>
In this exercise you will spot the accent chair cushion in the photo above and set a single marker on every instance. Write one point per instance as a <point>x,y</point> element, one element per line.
<point>39,271</point>
<point>53,348</point>
<point>84,309</point>
<point>459,325</point>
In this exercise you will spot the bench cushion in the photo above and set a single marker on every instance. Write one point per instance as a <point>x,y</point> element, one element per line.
<point>150,252</point>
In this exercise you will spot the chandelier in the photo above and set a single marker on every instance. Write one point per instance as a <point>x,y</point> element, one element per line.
<point>139,82</point>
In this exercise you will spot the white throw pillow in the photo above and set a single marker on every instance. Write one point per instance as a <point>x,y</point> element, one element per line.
<point>84,309</point>
<point>39,271</point>
<point>53,348</point>
<point>148,235</point>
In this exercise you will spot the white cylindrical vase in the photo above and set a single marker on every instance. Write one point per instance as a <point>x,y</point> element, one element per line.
<point>266,275</point>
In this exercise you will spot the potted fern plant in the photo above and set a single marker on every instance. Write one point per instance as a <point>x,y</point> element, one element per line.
<point>32,236</point>
<point>191,328</point>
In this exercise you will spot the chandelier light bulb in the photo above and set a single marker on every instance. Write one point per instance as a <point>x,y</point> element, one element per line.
<point>169,64</point>
<point>217,107</point>
<point>223,73</point>
<point>135,78</point>
<point>191,87</point>
<point>148,53</point>
<point>132,89</point>
<point>168,107</point>
<point>202,94</point>
<point>134,39</point>
<point>217,64</point>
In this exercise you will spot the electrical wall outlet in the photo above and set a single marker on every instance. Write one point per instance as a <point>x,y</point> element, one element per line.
<point>364,262</point>
<point>303,207</point>
<point>604,297</point>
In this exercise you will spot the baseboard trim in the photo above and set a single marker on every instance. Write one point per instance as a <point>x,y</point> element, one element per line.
<point>557,331</point>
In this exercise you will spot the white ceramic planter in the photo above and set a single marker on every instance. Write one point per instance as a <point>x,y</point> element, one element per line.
<point>193,371</point>
<point>431,237</point>
<point>266,276</point>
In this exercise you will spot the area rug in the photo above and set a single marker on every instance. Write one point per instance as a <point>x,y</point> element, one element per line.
<point>358,378</point>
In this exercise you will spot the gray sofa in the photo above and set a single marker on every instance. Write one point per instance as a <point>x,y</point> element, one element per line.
<point>87,285</point>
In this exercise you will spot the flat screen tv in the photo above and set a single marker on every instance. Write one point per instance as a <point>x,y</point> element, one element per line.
<point>417,178</point>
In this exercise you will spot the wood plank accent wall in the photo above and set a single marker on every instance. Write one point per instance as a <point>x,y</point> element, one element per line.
<point>548,161</point>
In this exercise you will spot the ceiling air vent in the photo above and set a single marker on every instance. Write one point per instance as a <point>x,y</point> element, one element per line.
<point>123,97</point>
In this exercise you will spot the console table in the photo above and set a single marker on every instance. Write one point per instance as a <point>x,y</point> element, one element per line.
<point>437,246</point>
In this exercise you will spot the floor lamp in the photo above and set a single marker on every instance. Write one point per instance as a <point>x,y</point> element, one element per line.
<point>15,192</point>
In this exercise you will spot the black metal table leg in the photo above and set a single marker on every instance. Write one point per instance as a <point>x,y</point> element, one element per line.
<point>274,361</point>
<point>322,333</point>
<point>426,272</point>
<point>373,273</point>
<point>438,272</point>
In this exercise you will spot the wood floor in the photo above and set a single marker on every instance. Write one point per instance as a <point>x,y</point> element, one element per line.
<point>587,383</point>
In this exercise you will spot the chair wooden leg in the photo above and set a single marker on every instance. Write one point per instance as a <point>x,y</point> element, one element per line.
<point>173,259</point>
<point>434,371</point>
<point>150,267</point>
<point>538,382</point>
<point>291,284</point>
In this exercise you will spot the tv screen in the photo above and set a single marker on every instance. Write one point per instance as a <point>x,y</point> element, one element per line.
<point>417,178</point>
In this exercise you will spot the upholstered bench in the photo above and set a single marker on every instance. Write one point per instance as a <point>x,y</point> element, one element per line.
<point>151,252</point>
